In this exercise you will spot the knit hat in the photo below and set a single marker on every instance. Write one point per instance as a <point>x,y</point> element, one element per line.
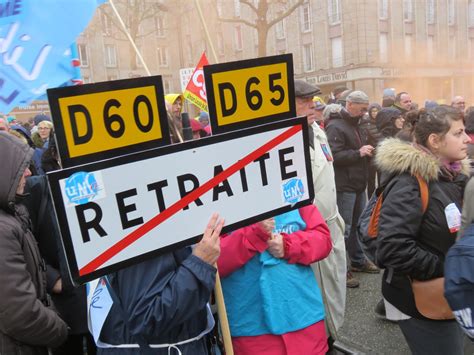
<point>41,117</point>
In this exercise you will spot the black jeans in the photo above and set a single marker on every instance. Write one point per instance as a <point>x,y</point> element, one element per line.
<point>432,337</point>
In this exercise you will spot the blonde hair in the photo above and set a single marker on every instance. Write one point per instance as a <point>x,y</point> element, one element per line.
<point>45,124</point>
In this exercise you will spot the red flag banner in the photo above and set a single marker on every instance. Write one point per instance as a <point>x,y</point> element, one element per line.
<point>196,90</point>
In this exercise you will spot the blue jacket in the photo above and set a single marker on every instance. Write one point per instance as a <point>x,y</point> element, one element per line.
<point>164,299</point>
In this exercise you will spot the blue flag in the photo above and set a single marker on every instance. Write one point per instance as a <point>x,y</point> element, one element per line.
<point>35,40</point>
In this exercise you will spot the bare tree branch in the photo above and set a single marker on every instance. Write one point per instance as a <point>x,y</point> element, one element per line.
<point>238,20</point>
<point>249,4</point>
<point>285,14</point>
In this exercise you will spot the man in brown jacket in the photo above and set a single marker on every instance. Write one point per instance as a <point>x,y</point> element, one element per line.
<point>27,323</point>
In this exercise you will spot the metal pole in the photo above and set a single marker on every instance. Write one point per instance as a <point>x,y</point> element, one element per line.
<point>129,37</point>
<point>208,37</point>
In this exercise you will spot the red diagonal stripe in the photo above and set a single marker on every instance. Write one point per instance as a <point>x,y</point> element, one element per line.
<point>186,200</point>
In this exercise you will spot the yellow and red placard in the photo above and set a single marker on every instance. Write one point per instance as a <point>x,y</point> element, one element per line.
<point>196,90</point>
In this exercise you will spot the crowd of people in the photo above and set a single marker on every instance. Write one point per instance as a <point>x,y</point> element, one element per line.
<point>284,279</point>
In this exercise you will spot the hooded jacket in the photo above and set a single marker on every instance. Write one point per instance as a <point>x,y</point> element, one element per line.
<point>27,324</point>
<point>345,139</point>
<point>411,244</point>
<point>368,124</point>
<point>174,122</point>
<point>385,121</point>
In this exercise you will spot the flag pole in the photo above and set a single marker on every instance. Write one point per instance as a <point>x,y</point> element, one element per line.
<point>208,37</point>
<point>129,37</point>
<point>221,311</point>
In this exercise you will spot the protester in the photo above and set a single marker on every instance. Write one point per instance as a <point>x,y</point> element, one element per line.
<point>331,271</point>
<point>41,141</point>
<point>336,93</point>
<point>174,106</point>
<point>389,122</point>
<point>28,323</point>
<point>161,302</point>
<point>470,131</point>
<point>351,152</point>
<point>430,105</point>
<point>319,106</point>
<point>412,244</point>
<point>458,103</point>
<point>273,301</point>
<point>467,217</point>
<point>69,300</point>
<point>403,102</point>
<point>4,126</point>
<point>388,98</point>
<point>36,120</point>
<point>368,125</point>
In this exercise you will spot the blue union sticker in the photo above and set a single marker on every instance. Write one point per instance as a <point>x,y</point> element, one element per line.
<point>82,187</point>
<point>292,191</point>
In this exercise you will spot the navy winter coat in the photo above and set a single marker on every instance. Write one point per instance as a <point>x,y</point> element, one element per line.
<point>164,299</point>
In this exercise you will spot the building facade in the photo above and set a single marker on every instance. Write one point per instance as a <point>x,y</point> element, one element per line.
<point>425,47</point>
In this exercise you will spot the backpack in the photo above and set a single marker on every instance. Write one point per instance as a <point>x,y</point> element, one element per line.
<point>459,280</point>
<point>368,225</point>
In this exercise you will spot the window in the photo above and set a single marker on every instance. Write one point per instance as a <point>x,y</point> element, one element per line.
<point>305,18</point>
<point>337,52</point>
<point>408,46</point>
<point>334,11</point>
<point>238,38</point>
<point>237,8</point>
<point>383,47</point>
<point>106,24</point>
<point>308,57</point>
<point>470,13</point>
<point>83,57</point>
<point>189,44</point>
<point>383,9</point>
<point>160,26</point>
<point>408,10</point>
<point>110,56</point>
<point>451,12</point>
<point>220,43</point>
<point>167,85</point>
<point>162,53</point>
<point>430,12</point>
<point>280,30</point>
<point>219,8</point>
<point>452,47</point>
<point>430,48</point>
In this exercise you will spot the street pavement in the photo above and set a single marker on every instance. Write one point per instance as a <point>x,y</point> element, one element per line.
<point>363,332</point>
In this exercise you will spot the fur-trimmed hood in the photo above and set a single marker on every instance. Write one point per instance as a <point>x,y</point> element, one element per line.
<point>395,157</point>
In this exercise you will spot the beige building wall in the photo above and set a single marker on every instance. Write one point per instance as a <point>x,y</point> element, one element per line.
<point>347,42</point>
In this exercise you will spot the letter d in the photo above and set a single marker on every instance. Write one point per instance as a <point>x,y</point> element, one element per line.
<point>80,139</point>
<point>227,111</point>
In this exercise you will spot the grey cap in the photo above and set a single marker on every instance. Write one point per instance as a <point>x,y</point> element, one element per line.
<point>305,90</point>
<point>358,97</point>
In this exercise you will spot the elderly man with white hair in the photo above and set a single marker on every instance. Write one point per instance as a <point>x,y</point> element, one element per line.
<point>458,103</point>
